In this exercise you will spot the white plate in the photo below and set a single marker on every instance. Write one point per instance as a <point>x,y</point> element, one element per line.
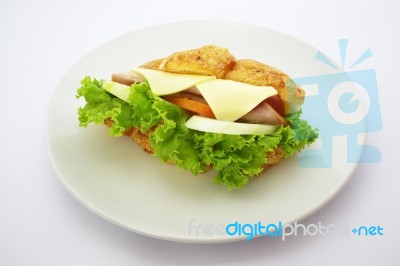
<point>121,183</point>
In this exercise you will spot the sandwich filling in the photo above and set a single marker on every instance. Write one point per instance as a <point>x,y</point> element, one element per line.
<point>235,157</point>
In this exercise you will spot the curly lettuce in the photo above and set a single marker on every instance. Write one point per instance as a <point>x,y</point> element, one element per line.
<point>235,158</point>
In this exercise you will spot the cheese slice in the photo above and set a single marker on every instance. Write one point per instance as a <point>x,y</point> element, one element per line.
<point>165,83</point>
<point>119,90</point>
<point>229,100</point>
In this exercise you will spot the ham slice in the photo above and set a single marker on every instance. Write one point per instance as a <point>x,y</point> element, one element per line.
<point>127,77</point>
<point>263,113</point>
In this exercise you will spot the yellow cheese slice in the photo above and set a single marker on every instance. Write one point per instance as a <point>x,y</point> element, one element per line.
<point>165,83</point>
<point>120,90</point>
<point>229,100</point>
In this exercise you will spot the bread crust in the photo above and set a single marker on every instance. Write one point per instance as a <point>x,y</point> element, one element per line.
<point>207,60</point>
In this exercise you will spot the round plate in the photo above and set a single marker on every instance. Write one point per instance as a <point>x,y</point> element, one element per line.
<point>121,183</point>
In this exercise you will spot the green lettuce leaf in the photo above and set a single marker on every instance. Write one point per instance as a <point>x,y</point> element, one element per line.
<point>235,158</point>
<point>298,136</point>
<point>101,105</point>
<point>171,140</point>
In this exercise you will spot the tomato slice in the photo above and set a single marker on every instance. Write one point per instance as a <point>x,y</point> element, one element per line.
<point>190,105</point>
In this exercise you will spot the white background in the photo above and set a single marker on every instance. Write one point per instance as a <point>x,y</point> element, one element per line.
<point>41,224</point>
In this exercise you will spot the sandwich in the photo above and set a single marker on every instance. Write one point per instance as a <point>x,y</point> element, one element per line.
<point>203,109</point>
